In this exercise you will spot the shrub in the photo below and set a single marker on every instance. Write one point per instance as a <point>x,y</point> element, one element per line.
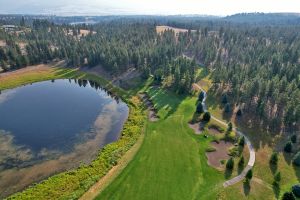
<point>224,99</point>
<point>288,196</point>
<point>222,162</point>
<point>277,177</point>
<point>229,127</point>
<point>206,116</point>
<point>288,147</point>
<point>249,174</point>
<point>242,141</point>
<point>234,151</point>
<point>230,163</point>
<point>227,108</point>
<point>199,108</point>
<point>210,149</point>
<point>274,158</point>
<point>241,161</point>
<point>294,138</point>
<point>296,190</point>
<point>296,159</point>
<point>201,96</point>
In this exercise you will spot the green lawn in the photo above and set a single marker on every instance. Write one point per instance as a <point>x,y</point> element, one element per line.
<point>171,163</point>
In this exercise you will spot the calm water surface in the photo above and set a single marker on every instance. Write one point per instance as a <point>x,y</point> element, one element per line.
<point>52,126</point>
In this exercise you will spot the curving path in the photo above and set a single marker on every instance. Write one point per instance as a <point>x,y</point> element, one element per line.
<point>251,161</point>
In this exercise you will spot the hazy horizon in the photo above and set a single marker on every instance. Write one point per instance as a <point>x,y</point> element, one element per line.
<point>153,7</point>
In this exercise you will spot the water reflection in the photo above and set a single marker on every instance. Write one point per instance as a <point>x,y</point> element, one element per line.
<point>52,126</point>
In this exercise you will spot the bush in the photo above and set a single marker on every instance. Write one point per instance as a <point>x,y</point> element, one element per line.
<point>242,141</point>
<point>288,147</point>
<point>229,127</point>
<point>277,177</point>
<point>201,96</point>
<point>227,108</point>
<point>224,99</point>
<point>294,138</point>
<point>296,190</point>
<point>206,116</point>
<point>234,151</point>
<point>296,159</point>
<point>199,108</point>
<point>274,158</point>
<point>249,174</point>
<point>230,163</point>
<point>288,196</point>
<point>210,149</point>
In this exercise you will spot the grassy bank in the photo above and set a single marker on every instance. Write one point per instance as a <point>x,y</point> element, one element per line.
<point>72,184</point>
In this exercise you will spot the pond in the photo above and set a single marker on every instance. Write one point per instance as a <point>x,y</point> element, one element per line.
<point>52,126</point>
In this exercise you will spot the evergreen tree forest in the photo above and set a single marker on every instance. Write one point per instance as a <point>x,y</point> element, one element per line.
<point>257,68</point>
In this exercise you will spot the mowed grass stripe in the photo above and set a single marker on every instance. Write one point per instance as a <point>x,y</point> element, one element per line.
<point>170,162</point>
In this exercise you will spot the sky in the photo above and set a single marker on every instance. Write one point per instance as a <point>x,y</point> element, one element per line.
<point>148,7</point>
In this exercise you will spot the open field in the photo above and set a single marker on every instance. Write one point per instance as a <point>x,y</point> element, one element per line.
<point>161,29</point>
<point>171,163</point>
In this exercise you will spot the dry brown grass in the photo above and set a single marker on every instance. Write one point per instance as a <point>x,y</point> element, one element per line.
<point>2,43</point>
<point>161,29</point>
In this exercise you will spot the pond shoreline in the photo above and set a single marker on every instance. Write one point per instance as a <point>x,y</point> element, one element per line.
<point>96,169</point>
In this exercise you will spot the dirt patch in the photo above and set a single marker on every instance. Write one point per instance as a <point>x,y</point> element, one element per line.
<point>214,131</point>
<point>152,111</point>
<point>2,43</point>
<point>221,153</point>
<point>85,32</point>
<point>22,46</point>
<point>34,68</point>
<point>196,127</point>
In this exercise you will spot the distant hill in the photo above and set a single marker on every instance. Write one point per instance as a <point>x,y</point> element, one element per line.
<point>265,18</point>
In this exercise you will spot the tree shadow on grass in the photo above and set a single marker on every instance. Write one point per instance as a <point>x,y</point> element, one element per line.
<point>196,118</point>
<point>211,100</point>
<point>240,169</point>
<point>228,173</point>
<point>165,100</point>
<point>258,137</point>
<point>297,171</point>
<point>276,189</point>
<point>273,168</point>
<point>288,157</point>
<point>246,187</point>
<point>67,72</point>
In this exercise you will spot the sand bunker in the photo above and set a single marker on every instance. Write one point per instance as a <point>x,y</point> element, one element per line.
<point>221,153</point>
<point>152,111</point>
